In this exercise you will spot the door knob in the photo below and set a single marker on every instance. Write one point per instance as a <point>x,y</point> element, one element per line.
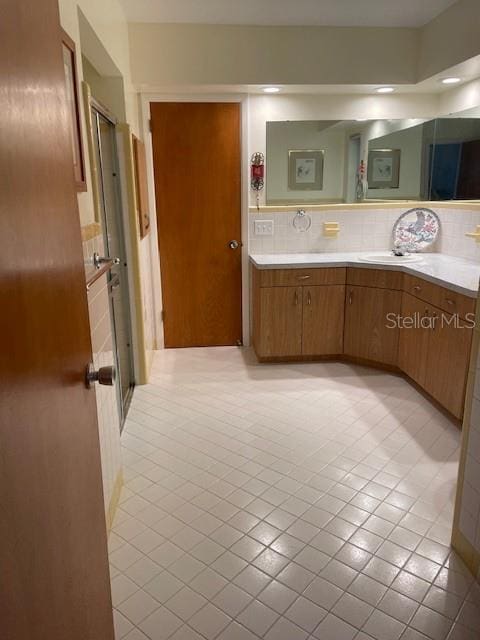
<point>233,244</point>
<point>104,375</point>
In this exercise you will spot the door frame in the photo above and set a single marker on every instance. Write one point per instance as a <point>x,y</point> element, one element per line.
<point>242,100</point>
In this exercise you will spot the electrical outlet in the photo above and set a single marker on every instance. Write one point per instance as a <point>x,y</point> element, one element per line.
<point>264,227</point>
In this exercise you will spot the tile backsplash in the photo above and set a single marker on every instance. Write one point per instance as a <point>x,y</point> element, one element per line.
<point>360,230</point>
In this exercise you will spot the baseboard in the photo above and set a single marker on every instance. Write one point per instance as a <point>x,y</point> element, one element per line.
<point>112,507</point>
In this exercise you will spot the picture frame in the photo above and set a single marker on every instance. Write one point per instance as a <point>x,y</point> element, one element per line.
<point>71,82</point>
<point>141,185</point>
<point>383,170</point>
<point>305,169</point>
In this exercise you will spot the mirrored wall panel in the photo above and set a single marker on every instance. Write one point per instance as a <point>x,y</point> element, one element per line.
<point>335,161</point>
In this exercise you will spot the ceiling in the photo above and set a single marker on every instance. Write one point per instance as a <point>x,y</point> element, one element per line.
<point>342,13</point>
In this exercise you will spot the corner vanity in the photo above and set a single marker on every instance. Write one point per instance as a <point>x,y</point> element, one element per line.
<point>413,318</point>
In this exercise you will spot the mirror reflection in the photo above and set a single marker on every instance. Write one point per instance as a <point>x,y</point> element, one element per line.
<point>336,161</point>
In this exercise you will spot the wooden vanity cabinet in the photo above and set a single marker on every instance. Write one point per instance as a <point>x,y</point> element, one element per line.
<point>298,321</point>
<point>323,320</point>
<point>308,313</point>
<point>367,333</point>
<point>278,322</point>
<point>413,341</point>
<point>436,356</point>
<point>447,363</point>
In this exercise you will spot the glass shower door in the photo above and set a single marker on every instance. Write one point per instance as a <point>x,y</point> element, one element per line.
<point>114,238</point>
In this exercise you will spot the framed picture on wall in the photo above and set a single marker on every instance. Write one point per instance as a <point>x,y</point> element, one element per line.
<point>70,67</point>
<point>305,169</point>
<point>141,185</point>
<point>383,170</point>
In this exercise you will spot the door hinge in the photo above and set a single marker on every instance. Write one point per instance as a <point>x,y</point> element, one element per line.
<point>162,315</point>
<point>150,125</point>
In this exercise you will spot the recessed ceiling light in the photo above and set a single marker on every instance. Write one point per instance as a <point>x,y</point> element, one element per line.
<point>450,80</point>
<point>385,90</point>
<point>271,89</point>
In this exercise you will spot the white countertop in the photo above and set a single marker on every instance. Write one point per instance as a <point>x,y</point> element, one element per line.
<point>452,273</point>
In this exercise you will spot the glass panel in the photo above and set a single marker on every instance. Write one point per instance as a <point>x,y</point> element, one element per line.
<point>114,237</point>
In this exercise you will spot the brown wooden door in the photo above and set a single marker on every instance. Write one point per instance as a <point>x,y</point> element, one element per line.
<point>447,361</point>
<point>280,316</point>
<point>196,152</point>
<point>367,335</point>
<point>53,556</point>
<point>323,315</point>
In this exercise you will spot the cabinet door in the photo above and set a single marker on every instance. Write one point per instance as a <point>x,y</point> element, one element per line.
<point>323,313</point>
<point>413,340</point>
<point>447,362</point>
<point>280,318</point>
<point>367,331</point>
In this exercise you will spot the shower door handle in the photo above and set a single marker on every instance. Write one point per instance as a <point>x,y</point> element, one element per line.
<point>99,261</point>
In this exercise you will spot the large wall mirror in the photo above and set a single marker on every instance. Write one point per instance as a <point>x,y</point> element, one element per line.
<point>336,161</point>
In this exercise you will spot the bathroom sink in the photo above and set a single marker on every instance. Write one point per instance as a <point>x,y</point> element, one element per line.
<point>389,258</point>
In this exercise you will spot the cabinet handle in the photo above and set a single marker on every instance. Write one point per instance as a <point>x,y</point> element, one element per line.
<point>309,298</point>
<point>295,300</point>
<point>350,297</point>
<point>417,287</point>
<point>449,301</point>
<point>303,277</point>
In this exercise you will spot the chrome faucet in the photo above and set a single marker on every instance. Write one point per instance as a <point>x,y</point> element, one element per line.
<point>403,248</point>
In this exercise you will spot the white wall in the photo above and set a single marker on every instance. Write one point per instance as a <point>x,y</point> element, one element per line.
<point>449,39</point>
<point>182,54</point>
<point>108,22</point>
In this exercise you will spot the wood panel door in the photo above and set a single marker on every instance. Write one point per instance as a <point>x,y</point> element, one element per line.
<point>323,317</point>
<point>413,341</point>
<point>53,553</point>
<point>367,335</point>
<point>447,361</point>
<point>197,164</point>
<point>280,320</point>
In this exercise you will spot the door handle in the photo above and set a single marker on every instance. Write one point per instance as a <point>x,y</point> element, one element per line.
<point>98,260</point>
<point>309,298</point>
<point>233,244</point>
<point>104,375</point>
<point>350,297</point>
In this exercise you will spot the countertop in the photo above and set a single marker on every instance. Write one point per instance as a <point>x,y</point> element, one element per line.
<point>456,274</point>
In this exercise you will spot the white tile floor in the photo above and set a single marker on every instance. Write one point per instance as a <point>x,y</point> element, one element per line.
<point>286,502</point>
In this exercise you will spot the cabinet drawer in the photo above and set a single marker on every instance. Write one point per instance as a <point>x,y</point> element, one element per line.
<point>446,300</point>
<point>421,289</point>
<point>298,277</point>
<point>456,302</point>
<point>378,278</point>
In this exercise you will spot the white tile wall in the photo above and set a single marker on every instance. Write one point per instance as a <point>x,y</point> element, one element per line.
<point>102,346</point>
<point>361,230</point>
